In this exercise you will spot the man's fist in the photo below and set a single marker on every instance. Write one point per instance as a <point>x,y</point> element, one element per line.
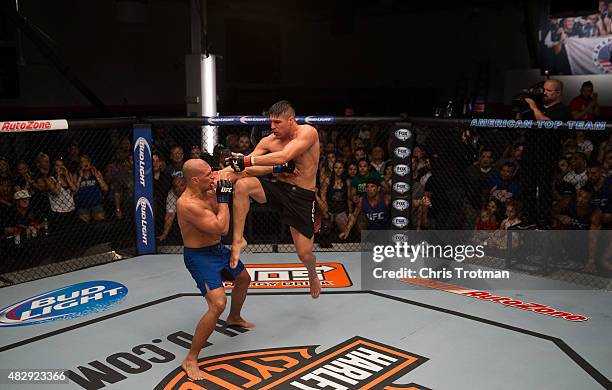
<point>224,191</point>
<point>238,162</point>
<point>287,167</point>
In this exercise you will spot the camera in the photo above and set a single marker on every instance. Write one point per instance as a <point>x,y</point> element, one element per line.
<point>535,92</point>
<point>219,151</point>
<point>211,160</point>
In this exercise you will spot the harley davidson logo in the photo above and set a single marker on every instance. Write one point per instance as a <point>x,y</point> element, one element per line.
<point>357,363</point>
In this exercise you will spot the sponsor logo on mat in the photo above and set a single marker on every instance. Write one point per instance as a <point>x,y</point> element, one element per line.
<point>64,303</point>
<point>487,296</point>
<point>357,363</point>
<point>130,362</point>
<point>331,275</point>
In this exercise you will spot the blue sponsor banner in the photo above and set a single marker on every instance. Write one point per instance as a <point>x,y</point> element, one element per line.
<point>236,120</point>
<point>315,120</point>
<point>143,191</point>
<point>259,120</point>
<point>64,303</point>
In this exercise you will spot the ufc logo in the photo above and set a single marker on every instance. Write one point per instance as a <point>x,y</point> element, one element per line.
<point>376,216</point>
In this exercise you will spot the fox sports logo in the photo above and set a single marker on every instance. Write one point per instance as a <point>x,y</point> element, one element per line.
<point>401,187</point>
<point>401,204</point>
<point>402,152</point>
<point>403,134</point>
<point>400,222</point>
<point>399,237</point>
<point>401,169</point>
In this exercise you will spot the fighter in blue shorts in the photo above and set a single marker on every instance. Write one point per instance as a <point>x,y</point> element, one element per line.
<point>203,216</point>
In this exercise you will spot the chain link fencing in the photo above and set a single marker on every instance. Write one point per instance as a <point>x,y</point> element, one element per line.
<point>341,146</point>
<point>540,199</point>
<point>67,197</point>
<point>66,201</point>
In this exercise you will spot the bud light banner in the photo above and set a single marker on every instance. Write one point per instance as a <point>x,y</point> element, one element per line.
<point>143,191</point>
<point>65,303</point>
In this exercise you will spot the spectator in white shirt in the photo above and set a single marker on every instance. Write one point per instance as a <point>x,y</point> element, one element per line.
<point>584,145</point>
<point>178,186</point>
<point>577,175</point>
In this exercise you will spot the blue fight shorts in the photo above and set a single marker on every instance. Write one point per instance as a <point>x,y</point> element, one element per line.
<point>210,266</point>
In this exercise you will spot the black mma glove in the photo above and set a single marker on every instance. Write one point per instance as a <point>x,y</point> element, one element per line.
<point>224,191</point>
<point>287,167</point>
<point>238,163</point>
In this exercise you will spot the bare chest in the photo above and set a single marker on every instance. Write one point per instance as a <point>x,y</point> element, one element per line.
<point>277,145</point>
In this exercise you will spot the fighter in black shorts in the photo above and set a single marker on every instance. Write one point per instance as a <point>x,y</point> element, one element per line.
<point>296,204</point>
<point>293,195</point>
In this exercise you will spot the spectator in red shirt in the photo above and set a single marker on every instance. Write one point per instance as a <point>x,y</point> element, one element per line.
<point>584,107</point>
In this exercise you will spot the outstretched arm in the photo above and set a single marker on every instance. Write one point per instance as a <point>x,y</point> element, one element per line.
<point>168,221</point>
<point>261,148</point>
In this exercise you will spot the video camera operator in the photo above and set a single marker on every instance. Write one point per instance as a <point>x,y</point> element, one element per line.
<point>553,109</point>
<point>542,151</point>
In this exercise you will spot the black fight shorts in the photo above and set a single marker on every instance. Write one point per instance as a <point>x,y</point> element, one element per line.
<point>295,204</point>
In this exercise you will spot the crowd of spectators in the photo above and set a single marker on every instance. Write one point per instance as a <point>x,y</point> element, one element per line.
<point>76,199</point>
<point>555,34</point>
<point>462,179</point>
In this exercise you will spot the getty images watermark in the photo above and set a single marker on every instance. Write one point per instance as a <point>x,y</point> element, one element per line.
<point>405,258</point>
<point>483,260</point>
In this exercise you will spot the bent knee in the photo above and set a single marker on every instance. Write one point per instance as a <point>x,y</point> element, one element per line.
<point>241,185</point>
<point>217,306</point>
<point>250,186</point>
<point>306,255</point>
<point>246,184</point>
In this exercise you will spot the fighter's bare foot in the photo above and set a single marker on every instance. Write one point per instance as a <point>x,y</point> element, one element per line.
<point>237,247</point>
<point>192,370</point>
<point>315,285</point>
<point>240,322</point>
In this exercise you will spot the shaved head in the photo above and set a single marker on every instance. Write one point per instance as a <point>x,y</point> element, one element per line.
<point>558,84</point>
<point>194,167</point>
